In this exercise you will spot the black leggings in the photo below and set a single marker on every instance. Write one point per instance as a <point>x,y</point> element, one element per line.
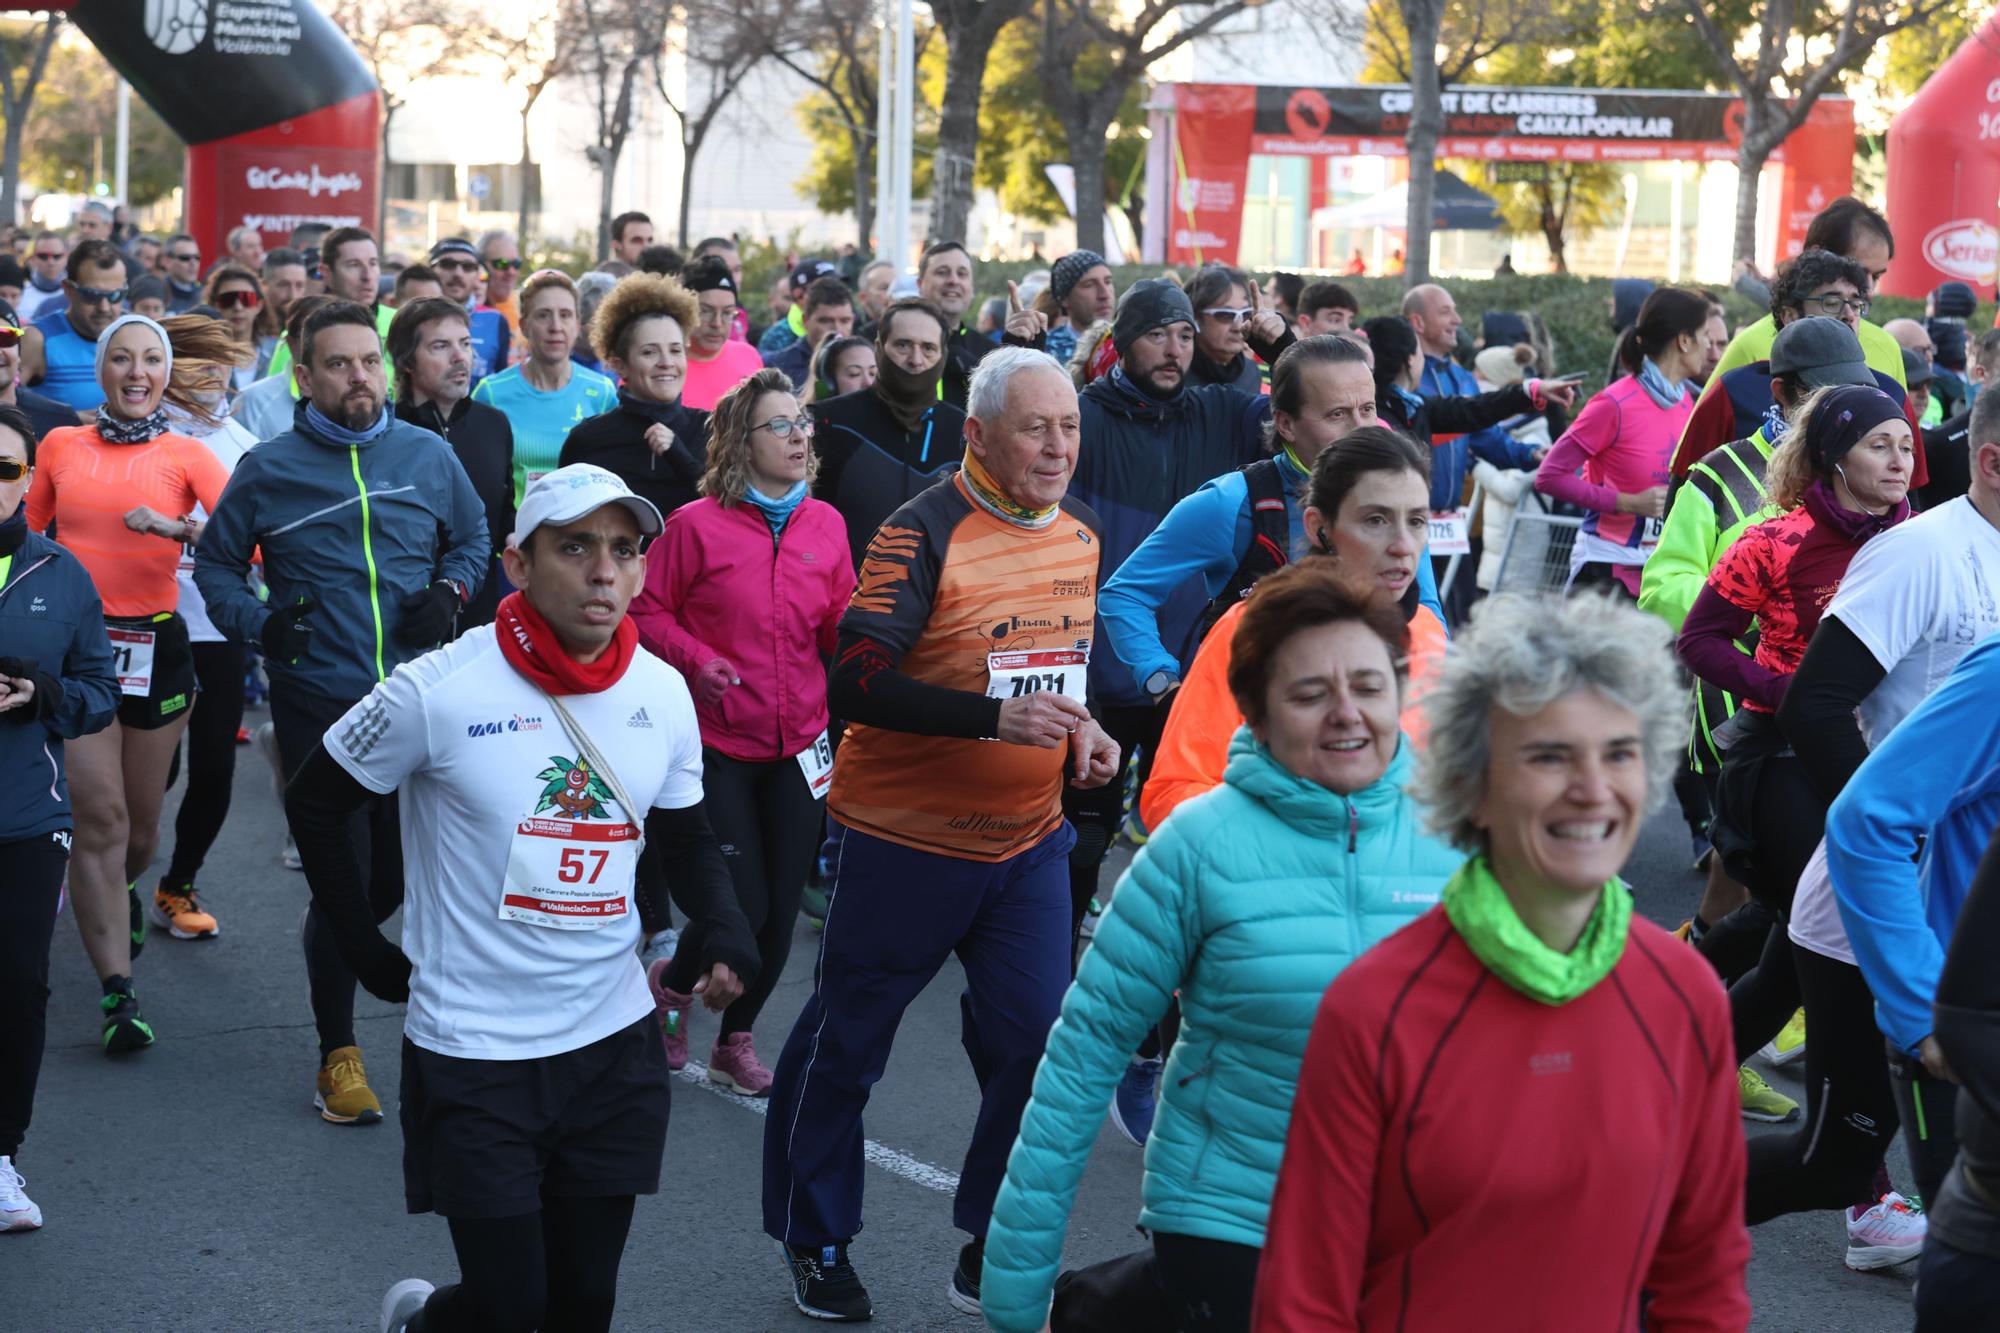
<point>211,757</point>
<point>1211,1282</point>
<point>32,871</point>
<point>1787,821</point>
<point>768,823</point>
<point>1927,1106</point>
<point>1097,813</point>
<point>555,1271</point>
<point>300,721</point>
<point>1830,1158</point>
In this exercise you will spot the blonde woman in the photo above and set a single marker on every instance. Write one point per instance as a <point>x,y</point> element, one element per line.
<point>548,393</point>
<point>744,591</point>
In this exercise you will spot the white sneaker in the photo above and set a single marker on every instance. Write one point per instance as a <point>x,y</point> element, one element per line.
<point>659,946</point>
<point>1890,1232</point>
<point>402,1301</point>
<point>17,1211</point>
<point>290,856</point>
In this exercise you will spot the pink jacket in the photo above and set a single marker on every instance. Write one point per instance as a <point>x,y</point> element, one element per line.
<point>717,585</point>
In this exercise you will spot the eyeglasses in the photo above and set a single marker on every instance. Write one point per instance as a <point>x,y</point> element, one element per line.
<point>98,296</point>
<point>782,427</point>
<point>12,469</point>
<point>455,265</point>
<point>1226,315</point>
<point>186,257</point>
<point>1833,303</point>
<point>710,314</point>
<point>503,265</point>
<point>242,296</point>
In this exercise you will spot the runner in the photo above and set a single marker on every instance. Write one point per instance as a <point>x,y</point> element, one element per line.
<point>655,442</point>
<point>119,492</point>
<point>1623,439</point>
<point>59,355</point>
<point>352,269</point>
<point>972,623</point>
<point>1244,905</point>
<point>57,683</point>
<point>534,1096</point>
<point>547,395</point>
<point>743,596</point>
<point>1224,301</point>
<point>239,297</point>
<point>717,359</point>
<point>1554,728</point>
<point>372,541</point>
<point>266,408</point>
<point>840,366</point>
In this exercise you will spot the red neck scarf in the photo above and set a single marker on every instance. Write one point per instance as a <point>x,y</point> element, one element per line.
<point>533,649</point>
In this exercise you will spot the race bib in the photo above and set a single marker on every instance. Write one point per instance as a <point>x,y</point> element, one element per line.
<point>132,658</point>
<point>1012,675</point>
<point>569,874</point>
<point>1649,534</point>
<point>1451,532</point>
<point>816,762</point>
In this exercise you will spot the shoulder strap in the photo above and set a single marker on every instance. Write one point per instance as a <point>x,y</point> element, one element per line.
<point>1270,541</point>
<point>600,765</point>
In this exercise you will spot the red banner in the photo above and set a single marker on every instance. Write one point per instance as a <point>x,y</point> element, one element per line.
<point>320,167</point>
<point>1944,174</point>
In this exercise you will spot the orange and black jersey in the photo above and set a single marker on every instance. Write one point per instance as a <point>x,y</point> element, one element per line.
<point>946,584</point>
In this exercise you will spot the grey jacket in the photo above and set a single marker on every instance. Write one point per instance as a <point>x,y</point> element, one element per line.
<point>355,529</point>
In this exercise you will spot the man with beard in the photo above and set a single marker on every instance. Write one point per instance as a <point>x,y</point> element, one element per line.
<point>1082,288</point>
<point>458,267</point>
<point>350,265</point>
<point>357,587</point>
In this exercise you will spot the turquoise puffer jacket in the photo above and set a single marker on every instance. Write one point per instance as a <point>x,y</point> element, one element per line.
<point>1249,901</point>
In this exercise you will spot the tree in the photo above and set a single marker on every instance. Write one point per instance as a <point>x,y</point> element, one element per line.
<point>1569,196</point>
<point>619,41</point>
<point>1094,52</point>
<point>1915,53</point>
<point>24,56</point>
<point>1787,68</point>
<point>402,42</point>
<point>74,122</point>
<point>533,57</point>
<point>719,48</point>
<point>969,28</point>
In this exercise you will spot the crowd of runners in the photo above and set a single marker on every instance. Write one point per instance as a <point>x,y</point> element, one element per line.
<point>606,637</point>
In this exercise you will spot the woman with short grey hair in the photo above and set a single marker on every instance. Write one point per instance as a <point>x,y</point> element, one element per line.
<point>1525,1097</point>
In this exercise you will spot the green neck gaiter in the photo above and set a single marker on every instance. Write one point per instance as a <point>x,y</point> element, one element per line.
<point>1479,910</point>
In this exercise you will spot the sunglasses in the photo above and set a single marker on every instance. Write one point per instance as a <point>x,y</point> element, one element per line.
<point>1226,316</point>
<point>51,256</point>
<point>503,265</point>
<point>98,296</point>
<point>9,335</point>
<point>243,297</point>
<point>455,265</point>
<point>12,469</point>
<point>189,257</point>
<point>782,427</point>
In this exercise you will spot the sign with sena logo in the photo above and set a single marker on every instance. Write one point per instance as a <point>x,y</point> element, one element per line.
<point>1965,248</point>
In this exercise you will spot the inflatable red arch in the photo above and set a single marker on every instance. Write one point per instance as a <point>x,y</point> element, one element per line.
<point>1944,174</point>
<point>281,117</point>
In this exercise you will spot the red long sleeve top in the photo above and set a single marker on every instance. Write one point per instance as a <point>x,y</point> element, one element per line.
<point>1462,1156</point>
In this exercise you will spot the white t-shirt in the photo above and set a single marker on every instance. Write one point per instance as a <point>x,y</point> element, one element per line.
<point>1918,597</point>
<point>479,756</point>
<point>228,442</point>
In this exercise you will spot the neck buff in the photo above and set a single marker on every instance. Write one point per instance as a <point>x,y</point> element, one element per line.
<point>987,494</point>
<point>14,530</point>
<point>645,407</point>
<point>1480,912</point>
<point>533,649</point>
<point>120,430</point>
<point>906,396</point>
<point>777,511</point>
<point>1658,387</point>
<point>1822,501</point>
<point>333,432</point>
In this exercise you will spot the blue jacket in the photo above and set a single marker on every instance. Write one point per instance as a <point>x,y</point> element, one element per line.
<point>49,611</point>
<point>1249,900</point>
<point>1140,456</point>
<point>1935,782</point>
<point>355,528</point>
<point>1452,459</point>
<point>1205,536</point>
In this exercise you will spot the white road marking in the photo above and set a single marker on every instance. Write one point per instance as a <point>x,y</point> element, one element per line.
<point>877,1154</point>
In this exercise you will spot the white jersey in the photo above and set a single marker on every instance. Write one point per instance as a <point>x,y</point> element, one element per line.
<point>506,965</point>
<point>228,441</point>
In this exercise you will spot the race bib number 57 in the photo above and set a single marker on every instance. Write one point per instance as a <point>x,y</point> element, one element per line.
<point>569,874</point>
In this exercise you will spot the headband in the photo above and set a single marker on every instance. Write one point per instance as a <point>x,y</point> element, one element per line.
<point>104,341</point>
<point>1843,419</point>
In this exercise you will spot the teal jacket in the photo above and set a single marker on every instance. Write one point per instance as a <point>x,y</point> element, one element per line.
<point>1248,901</point>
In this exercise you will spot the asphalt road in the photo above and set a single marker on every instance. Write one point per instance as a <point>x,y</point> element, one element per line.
<point>193,1187</point>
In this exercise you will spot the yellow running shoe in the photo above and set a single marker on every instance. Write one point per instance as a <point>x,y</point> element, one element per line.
<point>1789,1044</point>
<point>1763,1102</point>
<point>344,1097</point>
<point>181,916</point>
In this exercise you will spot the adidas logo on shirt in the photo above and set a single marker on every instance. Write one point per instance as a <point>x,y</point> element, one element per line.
<point>639,719</point>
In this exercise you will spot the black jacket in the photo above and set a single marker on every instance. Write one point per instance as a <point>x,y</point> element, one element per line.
<point>616,442</point>
<point>44,413</point>
<point>482,439</point>
<point>1241,372</point>
<point>869,466</point>
<point>965,349</point>
<point>1949,457</point>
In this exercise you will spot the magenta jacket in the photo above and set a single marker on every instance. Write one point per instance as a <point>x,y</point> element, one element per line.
<point>719,585</point>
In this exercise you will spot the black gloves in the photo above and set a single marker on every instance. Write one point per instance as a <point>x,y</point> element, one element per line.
<point>48,689</point>
<point>427,616</point>
<point>286,636</point>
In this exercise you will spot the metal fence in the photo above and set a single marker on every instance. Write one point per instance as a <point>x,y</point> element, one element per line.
<point>1536,556</point>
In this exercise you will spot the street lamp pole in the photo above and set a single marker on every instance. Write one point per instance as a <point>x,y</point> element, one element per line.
<point>899,251</point>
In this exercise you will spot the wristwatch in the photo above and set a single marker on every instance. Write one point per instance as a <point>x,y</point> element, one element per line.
<point>1159,683</point>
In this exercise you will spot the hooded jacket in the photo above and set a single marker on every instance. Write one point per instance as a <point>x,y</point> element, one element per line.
<point>1140,456</point>
<point>1248,902</point>
<point>354,528</point>
<point>869,466</point>
<point>49,611</point>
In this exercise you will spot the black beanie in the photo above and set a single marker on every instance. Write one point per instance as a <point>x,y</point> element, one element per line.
<point>1151,303</point>
<point>1393,341</point>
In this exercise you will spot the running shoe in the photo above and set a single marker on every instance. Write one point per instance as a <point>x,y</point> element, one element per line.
<point>137,913</point>
<point>1763,1102</point>
<point>812,906</point>
<point>1789,1044</point>
<point>734,1064</point>
<point>1889,1232</point>
<point>343,1095</point>
<point>402,1301</point>
<point>1137,1099</point>
<point>289,857</point>
<point>181,916</point>
<point>964,1289</point>
<point>125,1029</point>
<point>659,946</point>
<point>17,1211</point>
<point>824,1285</point>
<point>675,1009</point>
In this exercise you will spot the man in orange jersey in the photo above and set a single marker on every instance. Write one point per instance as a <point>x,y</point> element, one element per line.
<point>961,669</point>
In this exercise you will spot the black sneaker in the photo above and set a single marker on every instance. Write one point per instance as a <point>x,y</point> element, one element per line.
<point>124,1028</point>
<point>824,1285</point>
<point>138,915</point>
<point>964,1289</point>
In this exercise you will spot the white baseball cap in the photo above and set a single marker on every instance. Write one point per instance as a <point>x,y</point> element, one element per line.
<point>568,493</point>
